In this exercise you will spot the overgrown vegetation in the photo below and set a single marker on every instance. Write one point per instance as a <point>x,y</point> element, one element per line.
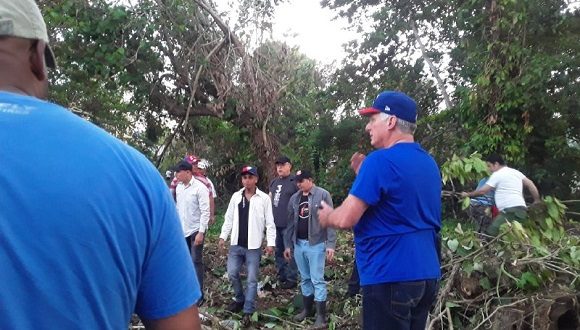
<point>173,76</point>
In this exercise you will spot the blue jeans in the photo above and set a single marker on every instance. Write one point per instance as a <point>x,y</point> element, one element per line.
<point>286,269</point>
<point>310,261</point>
<point>400,305</point>
<point>236,257</point>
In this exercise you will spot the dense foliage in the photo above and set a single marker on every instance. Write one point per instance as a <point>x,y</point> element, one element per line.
<point>177,76</point>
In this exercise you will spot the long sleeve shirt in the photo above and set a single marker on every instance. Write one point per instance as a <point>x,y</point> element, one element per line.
<point>193,206</point>
<point>260,218</point>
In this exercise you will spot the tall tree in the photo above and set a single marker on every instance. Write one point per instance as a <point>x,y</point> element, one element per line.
<point>510,64</point>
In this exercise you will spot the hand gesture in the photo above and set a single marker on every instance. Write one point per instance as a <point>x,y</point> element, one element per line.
<point>221,246</point>
<point>329,254</point>
<point>356,160</point>
<point>323,213</point>
<point>287,254</point>
<point>269,250</point>
<point>198,239</point>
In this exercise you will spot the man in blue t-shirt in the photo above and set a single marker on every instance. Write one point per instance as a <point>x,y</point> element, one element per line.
<point>395,208</point>
<point>94,236</point>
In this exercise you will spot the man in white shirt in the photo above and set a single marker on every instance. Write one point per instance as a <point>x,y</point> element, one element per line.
<point>507,184</point>
<point>249,214</point>
<point>192,200</point>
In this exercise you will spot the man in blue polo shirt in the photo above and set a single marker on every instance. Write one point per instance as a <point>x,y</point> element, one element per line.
<point>94,236</point>
<point>395,208</point>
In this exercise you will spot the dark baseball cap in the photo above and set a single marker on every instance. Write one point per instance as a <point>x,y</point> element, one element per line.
<point>249,170</point>
<point>283,160</point>
<point>303,174</point>
<point>183,166</point>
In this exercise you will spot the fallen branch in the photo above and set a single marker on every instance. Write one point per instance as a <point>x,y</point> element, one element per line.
<point>497,309</point>
<point>443,294</point>
<point>296,325</point>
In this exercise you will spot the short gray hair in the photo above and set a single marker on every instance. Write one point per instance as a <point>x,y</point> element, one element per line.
<point>403,125</point>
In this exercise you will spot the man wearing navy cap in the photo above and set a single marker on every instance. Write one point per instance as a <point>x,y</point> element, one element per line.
<point>193,206</point>
<point>394,205</point>
<point>311,243</point>
<point>249,213</point>
<point>281,189</point>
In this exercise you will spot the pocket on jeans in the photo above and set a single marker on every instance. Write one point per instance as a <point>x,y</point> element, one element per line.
<point>405,296</point>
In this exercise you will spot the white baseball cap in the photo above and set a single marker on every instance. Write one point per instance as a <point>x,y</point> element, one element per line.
<point>203,164</point>
<point>22,19</point>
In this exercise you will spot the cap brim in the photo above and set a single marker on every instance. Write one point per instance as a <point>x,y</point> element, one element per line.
<point>368,111</point>
<point>250,173</point>
<point>49,57</point>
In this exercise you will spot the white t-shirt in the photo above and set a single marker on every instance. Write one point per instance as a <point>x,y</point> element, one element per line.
<point>508,186</point>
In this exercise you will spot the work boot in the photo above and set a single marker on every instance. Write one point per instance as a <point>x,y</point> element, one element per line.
<point>307,311</point>
<point>320,314</point>
<point>246,320</point>
<point>235,307</point>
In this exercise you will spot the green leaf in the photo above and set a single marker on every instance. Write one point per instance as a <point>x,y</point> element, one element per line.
<point>451,304</point>
<point>255,317</point>
<point>529,278</point>
<point>468,167</point>
<point>549,223</point>
<point>275,311</point>
<point>453,244</point>
<point>553,211</point>
<point>485,283</point>
<point>270,325</point>
<point>458,229</point>
<point>465,203</point>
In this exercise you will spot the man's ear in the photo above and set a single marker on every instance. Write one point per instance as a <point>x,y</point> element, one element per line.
<point>37,60</point>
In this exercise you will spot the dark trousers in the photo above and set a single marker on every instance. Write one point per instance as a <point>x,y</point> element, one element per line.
<point>354,281</point>
<point>517,213</point>
<point>398,306</point>
<point>196,252</point>
<point>287,270</point>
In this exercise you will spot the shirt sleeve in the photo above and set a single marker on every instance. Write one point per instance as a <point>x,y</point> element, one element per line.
<point>203,200</point>
<point>493,180</point>
<point>368,185</point>
<point>228,220</point>
<point>271,185</point>
<point>163,293</point>
<point>290,227</point>
<point>213,191</point>
<point>270,226</point>
<point>330,231</point>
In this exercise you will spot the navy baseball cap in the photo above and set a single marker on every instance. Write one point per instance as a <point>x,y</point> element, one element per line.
<point>250,170</point>
<point>183,166</point>
<point>393,103</point>
<point>303,174</point>
<point>283,160</point>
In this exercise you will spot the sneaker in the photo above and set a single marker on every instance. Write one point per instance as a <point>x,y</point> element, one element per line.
<point>235,307</point>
